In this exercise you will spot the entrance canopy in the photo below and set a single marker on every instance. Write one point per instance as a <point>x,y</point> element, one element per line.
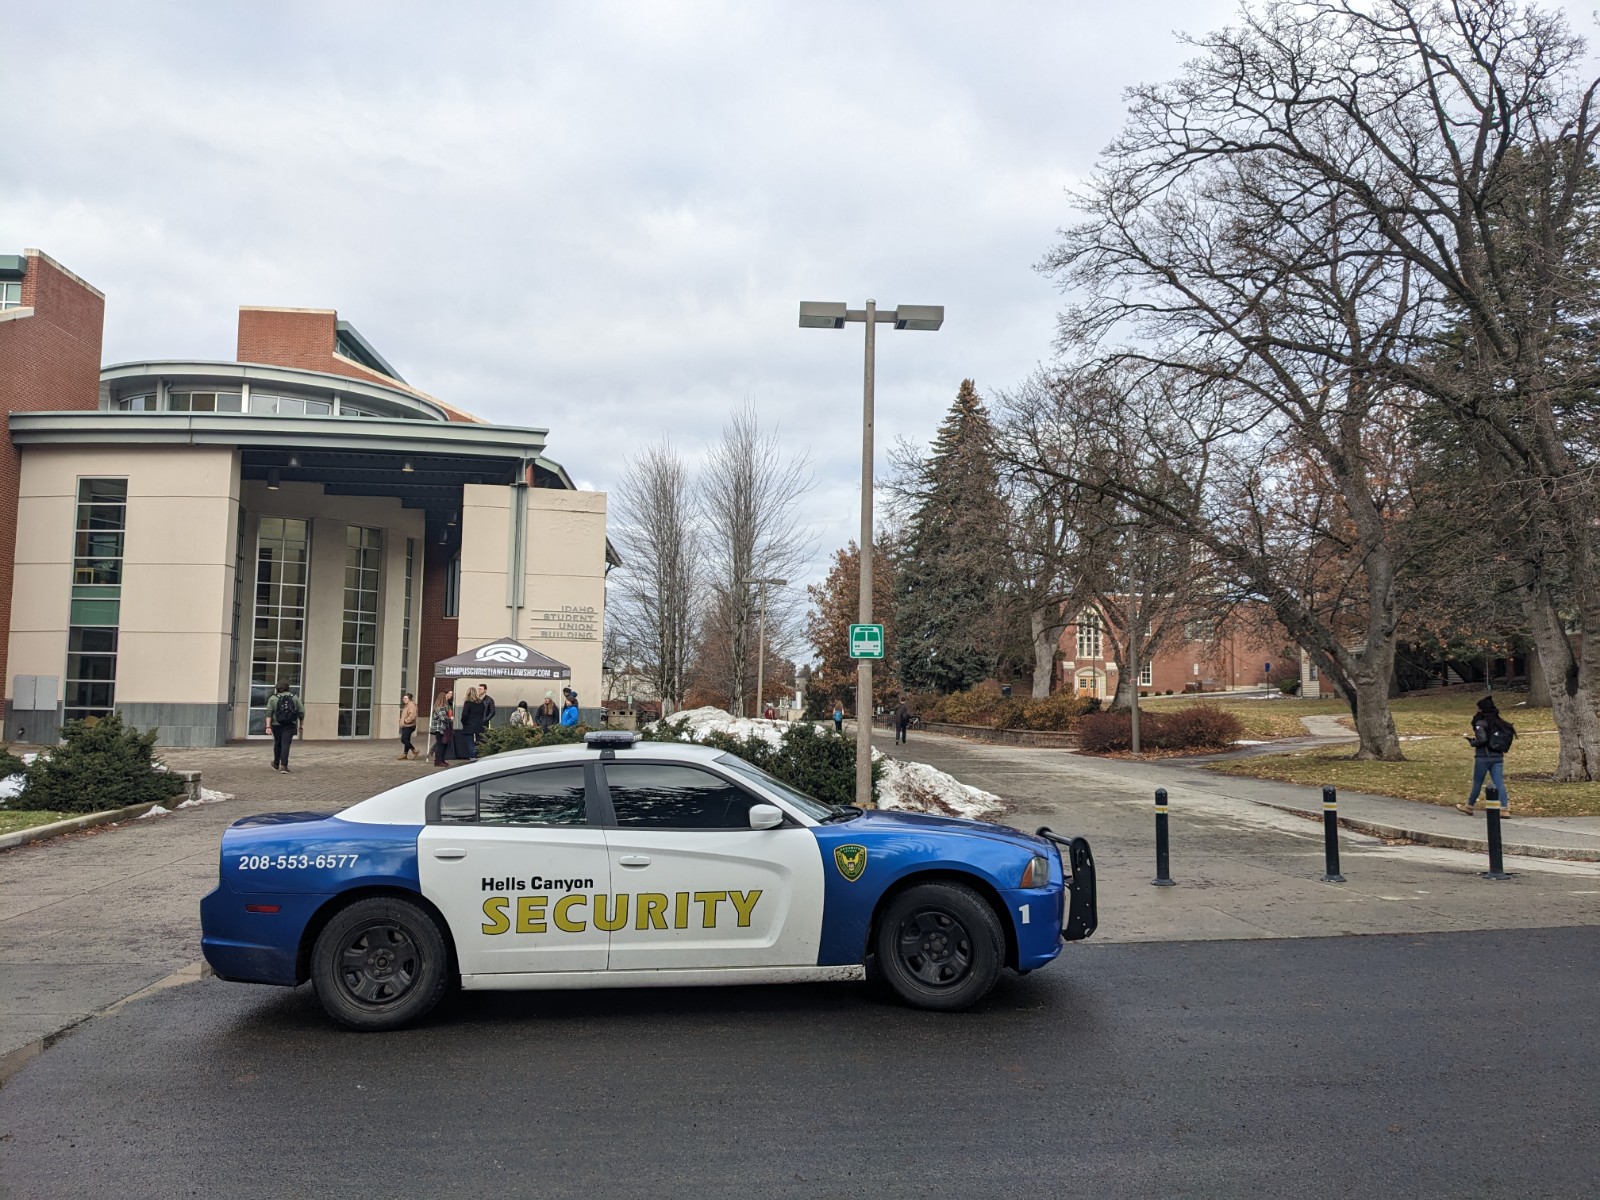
<point>501,659</point>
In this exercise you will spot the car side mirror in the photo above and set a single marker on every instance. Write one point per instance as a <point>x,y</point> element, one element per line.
<point>765,816</point>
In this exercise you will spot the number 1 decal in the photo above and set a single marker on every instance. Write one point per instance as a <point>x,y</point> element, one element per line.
<point>1024,911</point>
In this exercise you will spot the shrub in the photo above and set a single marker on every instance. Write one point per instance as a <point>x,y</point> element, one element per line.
<point>975,707</point>
<point>1057,711</point>
<point>497,739</point>
<point>815,761</point>
<point>10,764</point>
<point>100,765</point>
<point>1199,727</point>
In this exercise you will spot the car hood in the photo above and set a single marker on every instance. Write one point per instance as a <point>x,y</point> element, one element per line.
<point>892,821</point>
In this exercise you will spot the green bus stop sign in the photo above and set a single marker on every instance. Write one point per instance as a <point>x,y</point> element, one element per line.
<point>866,641</point>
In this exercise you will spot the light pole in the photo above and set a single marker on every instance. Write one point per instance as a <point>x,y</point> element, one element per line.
<point>761,637</point>
<point>821,315</point>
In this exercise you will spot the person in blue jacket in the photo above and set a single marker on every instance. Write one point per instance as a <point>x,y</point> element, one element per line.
<point>569,706</point>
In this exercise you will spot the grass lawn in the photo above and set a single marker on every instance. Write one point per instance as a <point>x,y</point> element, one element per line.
<point>1438,770</point>
<point>1263,720</point>
<point>1453,714</point>
<point>10,822</point>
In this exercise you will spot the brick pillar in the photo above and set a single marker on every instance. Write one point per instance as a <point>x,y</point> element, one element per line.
<point>49,362</point>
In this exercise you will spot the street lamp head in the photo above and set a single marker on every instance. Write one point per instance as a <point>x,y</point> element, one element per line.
<point>919,316</point>
<point>817,314</point>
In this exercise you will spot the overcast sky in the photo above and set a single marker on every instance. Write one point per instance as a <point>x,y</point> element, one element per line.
<point>594,218</point>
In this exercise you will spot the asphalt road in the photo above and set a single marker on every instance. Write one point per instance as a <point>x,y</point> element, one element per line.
<point>1453,1064</point>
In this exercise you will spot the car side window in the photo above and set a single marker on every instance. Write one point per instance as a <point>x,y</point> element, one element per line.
<point>671,796</point>
<point>550,796</point>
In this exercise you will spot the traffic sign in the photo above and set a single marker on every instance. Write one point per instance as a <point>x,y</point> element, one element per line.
<point>866,641</point>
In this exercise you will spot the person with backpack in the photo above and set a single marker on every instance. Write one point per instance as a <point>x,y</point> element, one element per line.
<point>284,714</point>
<point>1490,738</point>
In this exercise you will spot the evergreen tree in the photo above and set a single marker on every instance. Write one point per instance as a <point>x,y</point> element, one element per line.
<point>950,601</point>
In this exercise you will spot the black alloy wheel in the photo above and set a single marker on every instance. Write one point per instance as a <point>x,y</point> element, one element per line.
<point>940,946</point>
<point>379,963</point>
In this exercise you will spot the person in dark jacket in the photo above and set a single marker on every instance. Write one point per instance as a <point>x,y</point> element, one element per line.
<point>1490,738</point>
<point>472,721</point>
<point>443,725</point>
<point>548,714</point>
<point>284,714</point>
<point>902,722</point>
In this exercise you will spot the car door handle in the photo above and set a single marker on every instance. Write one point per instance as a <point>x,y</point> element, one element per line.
<point>449,852</point>
<point>634,860</point>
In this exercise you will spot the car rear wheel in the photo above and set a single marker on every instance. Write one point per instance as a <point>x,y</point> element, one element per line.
<point>940,946</point>
<point>379,964</point>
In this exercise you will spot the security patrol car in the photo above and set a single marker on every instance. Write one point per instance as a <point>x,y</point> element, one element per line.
<point>619,863</point>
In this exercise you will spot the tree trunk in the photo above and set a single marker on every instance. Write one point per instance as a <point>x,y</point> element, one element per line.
<point>1538,685</point>
<point>1046,625</point>
<point>1374,721</point>
<point>1571,700</point>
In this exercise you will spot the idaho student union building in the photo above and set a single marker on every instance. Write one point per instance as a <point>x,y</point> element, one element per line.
<point>178,536</point>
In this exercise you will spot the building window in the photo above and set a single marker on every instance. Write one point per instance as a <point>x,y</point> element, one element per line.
<point>452,587</point>
<point>96,598</point>
<point>10,294</point>
<point>358,662</point>
<point>405,615</point>
<point>289,406</point>
<point>1146,676</point>
<point>142,402</point>
<point>1203,630</point>
<point>1088,634</point>
<point>277,650</point>
<point>205,402</point>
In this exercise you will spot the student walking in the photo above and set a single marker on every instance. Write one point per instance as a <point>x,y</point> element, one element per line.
<point>284,714</point>
<point>408,725</point>
<point>1490,738</point>
<point>902,722</point>
<point>443,725</point>
<point>838,719</point>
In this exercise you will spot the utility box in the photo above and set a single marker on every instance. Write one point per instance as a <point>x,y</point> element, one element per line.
<point>32,716</point>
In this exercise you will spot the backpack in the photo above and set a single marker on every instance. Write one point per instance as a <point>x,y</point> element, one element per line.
<point>283,712</point>
<point>1501,735</point>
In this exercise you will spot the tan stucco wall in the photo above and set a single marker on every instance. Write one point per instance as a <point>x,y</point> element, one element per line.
<point>177,580</point>
<point>330,516</point>
<point>563,603</point>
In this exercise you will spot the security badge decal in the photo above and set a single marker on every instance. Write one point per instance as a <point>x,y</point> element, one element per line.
<point>851,861</point>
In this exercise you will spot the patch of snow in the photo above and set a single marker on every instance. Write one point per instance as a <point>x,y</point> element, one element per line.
<point>904,786</point>
<point>155,811</point>
<point>207,796</point>
<point>917,787</point>
<point>27,759</point>
<point>11,786</point>
<point>1249,742</point>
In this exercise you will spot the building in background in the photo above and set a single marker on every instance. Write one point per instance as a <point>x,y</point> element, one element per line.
<point>180,536</point>
<point>1246,651</point>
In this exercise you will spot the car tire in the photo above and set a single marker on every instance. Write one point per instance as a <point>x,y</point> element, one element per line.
<point>940,946</point>
<point>379,963</point>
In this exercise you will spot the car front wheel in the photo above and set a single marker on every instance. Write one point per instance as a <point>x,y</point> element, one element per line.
<point>940,946</point>
<point>379,963</point>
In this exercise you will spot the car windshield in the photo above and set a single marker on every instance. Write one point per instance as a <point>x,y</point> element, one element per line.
<point>813,808</point>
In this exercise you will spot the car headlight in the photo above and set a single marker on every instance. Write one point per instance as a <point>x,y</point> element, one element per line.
<point>1037,873</point>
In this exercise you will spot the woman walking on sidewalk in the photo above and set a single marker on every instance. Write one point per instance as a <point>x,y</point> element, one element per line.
<point>408,725</point>
<point>1490,738</point>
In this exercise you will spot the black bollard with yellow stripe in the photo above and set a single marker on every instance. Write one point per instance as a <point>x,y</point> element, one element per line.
<point>1163,866</point>
<point>1497,862</point>
<point>1330,836</point>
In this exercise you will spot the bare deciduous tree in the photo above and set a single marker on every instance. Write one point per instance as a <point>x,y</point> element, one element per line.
<point>750,495</point>
<point>663,567</point>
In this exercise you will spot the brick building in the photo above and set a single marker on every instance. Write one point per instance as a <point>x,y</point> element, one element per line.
<point>1204,656</point>
<point>178,536</point>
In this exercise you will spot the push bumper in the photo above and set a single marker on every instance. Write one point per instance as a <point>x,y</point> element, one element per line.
<point>1082,906</point>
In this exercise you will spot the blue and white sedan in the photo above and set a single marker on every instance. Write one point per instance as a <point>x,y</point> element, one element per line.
<point>631,864</point>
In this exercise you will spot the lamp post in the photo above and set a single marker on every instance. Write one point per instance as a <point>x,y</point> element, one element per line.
<point>822,315</point>
<point>761,636</point>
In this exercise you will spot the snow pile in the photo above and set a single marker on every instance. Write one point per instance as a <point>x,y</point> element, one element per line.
<point>11,786</point>
<point>1249,742</point>
<point>904,786</point>
<point>207,796</point>
<point>705,720</point>
<point>917,787</point>
<point>155,811</point>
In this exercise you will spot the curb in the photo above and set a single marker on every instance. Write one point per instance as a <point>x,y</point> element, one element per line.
<point>1446,841</point>
<point>13,1062</point>
<point>39,833</point>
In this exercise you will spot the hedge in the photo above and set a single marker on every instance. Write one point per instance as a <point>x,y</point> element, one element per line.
<point>815,761</point>
<point>1199,727</point>
<point>984,705</point>
<point>101,764</point>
